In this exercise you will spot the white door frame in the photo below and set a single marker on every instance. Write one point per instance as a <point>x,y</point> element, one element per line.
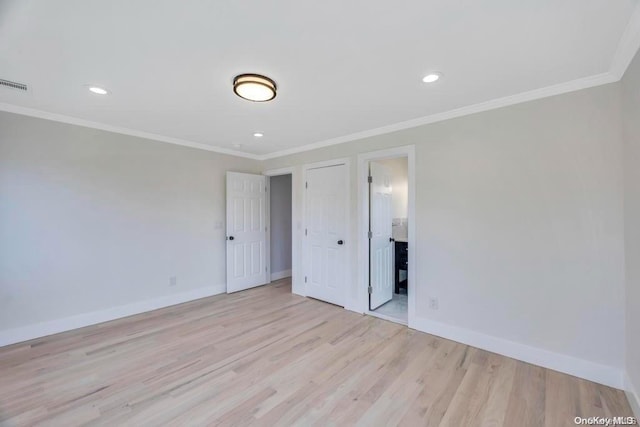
<point>347,240</point>
<point>407,151</point>
<point>293,171</point>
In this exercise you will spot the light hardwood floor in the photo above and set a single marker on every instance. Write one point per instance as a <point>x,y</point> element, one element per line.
<point>267,357</point>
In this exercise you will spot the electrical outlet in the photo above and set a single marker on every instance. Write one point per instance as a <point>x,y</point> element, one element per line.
<point>433,303</point>
<point>173,280</point>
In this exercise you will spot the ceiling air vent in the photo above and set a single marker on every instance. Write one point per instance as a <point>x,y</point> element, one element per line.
<point>13,85</point>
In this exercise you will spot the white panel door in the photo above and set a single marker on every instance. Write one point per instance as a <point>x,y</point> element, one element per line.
<point>246,231</point>
<point>380,242</point>
<point>326,232</point>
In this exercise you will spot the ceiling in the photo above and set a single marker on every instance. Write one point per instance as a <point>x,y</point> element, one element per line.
<point>343,68</point>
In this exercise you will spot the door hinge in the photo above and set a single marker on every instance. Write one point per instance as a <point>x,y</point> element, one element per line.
<point>370,179</point>
<point>306,184</point>
<point>305,279</point>
<point>370,290</point>
<point>305,231</point>
<point>370,234</point>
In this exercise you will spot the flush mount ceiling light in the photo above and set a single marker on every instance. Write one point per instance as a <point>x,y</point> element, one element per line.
<point>98,90</point>
<point>254,87</point>
<point>432,77</point>
<point>258,135</point>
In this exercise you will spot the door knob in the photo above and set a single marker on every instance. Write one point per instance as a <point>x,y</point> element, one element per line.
<point>341,242</point>
<point>230,238</point>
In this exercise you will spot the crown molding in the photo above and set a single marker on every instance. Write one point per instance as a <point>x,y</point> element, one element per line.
<point>627,46</point>
<point>571,86</point>
<point>558,89</point>
<point>10,108</point>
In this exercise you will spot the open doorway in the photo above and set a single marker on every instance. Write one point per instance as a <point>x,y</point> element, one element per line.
<point>280,227</point>
<point>388,242</point>
<point>386,246</point>
<point>388,238</point>
<point>262,230</point>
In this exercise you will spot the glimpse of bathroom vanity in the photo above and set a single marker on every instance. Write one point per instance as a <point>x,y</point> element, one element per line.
<point>400,266</point>
<point>401,254</point>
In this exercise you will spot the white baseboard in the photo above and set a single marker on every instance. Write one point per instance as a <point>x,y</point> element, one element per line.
<point>581,368</point>
<point>280,275</point>
<point>38,330</point>
<point>632,395</point>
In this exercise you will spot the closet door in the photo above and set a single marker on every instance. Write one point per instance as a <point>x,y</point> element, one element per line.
<point>325,245</point>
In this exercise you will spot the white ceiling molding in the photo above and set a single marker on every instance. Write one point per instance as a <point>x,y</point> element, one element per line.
<point>628,46</point>
<point>116,129</point>
<point>558,89</point>
<point>571,86</point>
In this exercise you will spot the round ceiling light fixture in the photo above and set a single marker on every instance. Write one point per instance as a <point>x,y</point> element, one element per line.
<point>98,90</point>
<point>254,87</point>
<point>432,77</point>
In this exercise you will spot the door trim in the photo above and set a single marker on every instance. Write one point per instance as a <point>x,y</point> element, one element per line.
<point>297,284</point>
<point>349,241</point>
<point>407,151</point>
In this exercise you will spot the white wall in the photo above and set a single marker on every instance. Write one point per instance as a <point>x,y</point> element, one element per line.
<point>91,220</point>
<point>519,224</point>
<point>399,185</point>
<point>631,121</point>
<point>280,218</point>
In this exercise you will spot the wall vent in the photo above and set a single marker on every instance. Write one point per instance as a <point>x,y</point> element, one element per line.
<point>13,85</point>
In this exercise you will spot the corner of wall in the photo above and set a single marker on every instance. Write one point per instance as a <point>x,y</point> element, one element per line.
<point>627,47</point>
<point>632,395</point>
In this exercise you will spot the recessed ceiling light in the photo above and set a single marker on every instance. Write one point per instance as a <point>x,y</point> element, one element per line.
<point>254,87</point>
<point>258,135</point>
<point>98,90</point>
<point>431,77</point>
